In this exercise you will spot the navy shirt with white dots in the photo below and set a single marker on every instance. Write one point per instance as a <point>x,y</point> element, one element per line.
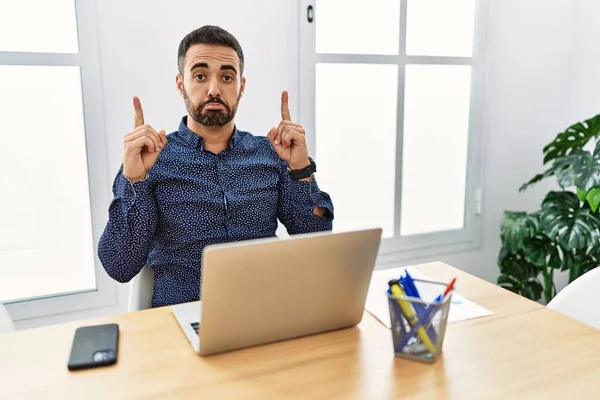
<point>192,198</point>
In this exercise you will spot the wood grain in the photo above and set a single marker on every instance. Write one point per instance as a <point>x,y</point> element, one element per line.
<point>523,351</point>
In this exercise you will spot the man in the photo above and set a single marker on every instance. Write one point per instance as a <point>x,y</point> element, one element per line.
<point>208,182</point>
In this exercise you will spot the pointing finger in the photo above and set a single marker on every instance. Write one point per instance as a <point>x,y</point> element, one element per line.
<point>138,119</point>
<point>285,108</point>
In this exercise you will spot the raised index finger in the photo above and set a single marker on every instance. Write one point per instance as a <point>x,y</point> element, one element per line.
<point>285,108</point>
<point>138,119</point>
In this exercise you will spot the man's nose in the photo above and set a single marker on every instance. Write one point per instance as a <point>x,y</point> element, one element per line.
<point>213,88</point>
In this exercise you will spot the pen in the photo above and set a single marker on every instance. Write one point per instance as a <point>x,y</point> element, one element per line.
<point>410,316</point>
<point>395,305</point>
<point>411,283</point>
<point>448,289</point>
<point>410,288</point>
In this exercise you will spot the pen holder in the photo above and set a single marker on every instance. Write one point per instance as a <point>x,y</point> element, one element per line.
<point>418,325</point>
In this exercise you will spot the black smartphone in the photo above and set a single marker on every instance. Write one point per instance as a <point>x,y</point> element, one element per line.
<point>94,346</point>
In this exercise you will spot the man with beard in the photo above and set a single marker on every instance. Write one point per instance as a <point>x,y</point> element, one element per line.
<point>208,182</point>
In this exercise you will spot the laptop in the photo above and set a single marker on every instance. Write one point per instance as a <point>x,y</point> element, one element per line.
<point>267,290</point>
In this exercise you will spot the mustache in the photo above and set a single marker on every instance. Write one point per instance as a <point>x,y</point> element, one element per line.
<point>213,100</point>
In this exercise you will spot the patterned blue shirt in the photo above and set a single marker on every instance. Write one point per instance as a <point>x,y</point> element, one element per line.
<point>192,198</point>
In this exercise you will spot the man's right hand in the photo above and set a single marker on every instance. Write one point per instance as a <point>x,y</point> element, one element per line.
<point>142,146</point>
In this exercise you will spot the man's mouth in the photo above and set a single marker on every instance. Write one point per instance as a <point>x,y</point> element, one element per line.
<point>214,106</point>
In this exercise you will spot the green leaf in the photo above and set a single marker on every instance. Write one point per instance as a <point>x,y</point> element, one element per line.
<point>575,137</point>
<point>580,168</point>
<point>562,219</point>
<point>541,252</point>
<point>532,290</point>
<point>518,275</point>
<point>582,194</point>
<point>582,262</point>
<point>568,259</point>
<point>594,252</point>
<point>549,172</point>
<point>574,272</point>
<point>516,227</point>
<point>564,171</point>
<point>593,198</point>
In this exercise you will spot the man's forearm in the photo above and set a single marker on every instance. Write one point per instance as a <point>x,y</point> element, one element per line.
<point>318,211</point>
<point>124,245</point>
<point>303,206</point>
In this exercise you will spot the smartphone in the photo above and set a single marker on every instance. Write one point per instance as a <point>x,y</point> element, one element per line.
<point>94,346</point>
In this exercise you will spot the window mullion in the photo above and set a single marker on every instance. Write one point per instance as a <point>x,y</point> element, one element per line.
<point>45,59</point>
<point>400,118</point>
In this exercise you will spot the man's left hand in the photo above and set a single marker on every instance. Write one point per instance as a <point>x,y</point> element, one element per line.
<point>289,138</point>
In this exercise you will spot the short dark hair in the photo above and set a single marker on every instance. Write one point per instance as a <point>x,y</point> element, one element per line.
<point>211,35</point>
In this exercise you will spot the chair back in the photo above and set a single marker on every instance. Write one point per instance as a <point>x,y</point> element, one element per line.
<point>578,299</point>
<point>141,290</point>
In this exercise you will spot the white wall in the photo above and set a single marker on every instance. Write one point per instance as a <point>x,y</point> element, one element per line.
<point>585,94</point>
<point>541,77</point>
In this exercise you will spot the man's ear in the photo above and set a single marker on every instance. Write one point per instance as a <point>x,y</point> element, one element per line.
<point>179,84</point>
<point>242,86</point>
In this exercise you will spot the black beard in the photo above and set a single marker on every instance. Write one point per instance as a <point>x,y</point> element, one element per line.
<point>211,117</point>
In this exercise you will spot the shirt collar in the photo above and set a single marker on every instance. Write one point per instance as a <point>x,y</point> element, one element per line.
<point>197,142</point>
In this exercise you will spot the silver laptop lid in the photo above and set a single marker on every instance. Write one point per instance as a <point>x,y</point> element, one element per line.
<point>266,290</point>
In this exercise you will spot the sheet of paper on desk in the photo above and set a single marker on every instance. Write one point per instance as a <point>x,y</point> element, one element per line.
<point>377,302</point>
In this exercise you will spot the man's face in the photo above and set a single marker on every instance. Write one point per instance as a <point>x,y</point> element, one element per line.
<point>211,85</point>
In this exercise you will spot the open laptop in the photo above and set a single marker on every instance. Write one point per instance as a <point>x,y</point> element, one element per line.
<point>266,290</point>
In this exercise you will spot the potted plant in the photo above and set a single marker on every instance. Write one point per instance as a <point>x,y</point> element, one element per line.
<point>564,235</point>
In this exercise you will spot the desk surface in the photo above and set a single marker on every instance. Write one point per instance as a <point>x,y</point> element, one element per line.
<point>523,351</point>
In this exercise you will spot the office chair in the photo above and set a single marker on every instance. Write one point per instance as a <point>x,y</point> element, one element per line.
<point>6,324</point>
<point>577,300</point>
<point>141,290</point>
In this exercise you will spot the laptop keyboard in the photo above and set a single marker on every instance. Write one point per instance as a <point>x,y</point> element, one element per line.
<point>195,326</point>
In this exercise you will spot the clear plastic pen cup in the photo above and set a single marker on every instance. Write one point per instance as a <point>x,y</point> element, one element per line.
<point>418,325</point>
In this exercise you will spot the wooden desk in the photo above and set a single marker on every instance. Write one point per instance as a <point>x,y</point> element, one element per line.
<point>523,351</point>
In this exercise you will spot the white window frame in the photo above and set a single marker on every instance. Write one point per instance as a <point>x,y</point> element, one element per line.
<point>105,294</point>
<point>428,244</point>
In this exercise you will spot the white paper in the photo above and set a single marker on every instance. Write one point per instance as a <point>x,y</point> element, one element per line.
<point>377,302</point>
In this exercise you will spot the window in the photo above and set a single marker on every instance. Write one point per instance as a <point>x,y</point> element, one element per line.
<point>54,190</point>
<point>390,94</point>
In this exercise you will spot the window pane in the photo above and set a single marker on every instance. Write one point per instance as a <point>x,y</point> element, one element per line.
<point>356,142</point>
<point>436,126</point>
<point>440,27</point>
<point>356,27</point>
<point>46,244</point>
<point>38,26</point>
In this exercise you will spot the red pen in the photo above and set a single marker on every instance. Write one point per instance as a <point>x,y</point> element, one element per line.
<point>449,287</point>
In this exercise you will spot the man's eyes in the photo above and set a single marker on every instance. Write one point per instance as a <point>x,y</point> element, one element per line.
<point>201,77</point>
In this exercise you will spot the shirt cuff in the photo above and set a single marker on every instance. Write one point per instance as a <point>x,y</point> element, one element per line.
<point>307,196</point>
<point>128,192</point>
